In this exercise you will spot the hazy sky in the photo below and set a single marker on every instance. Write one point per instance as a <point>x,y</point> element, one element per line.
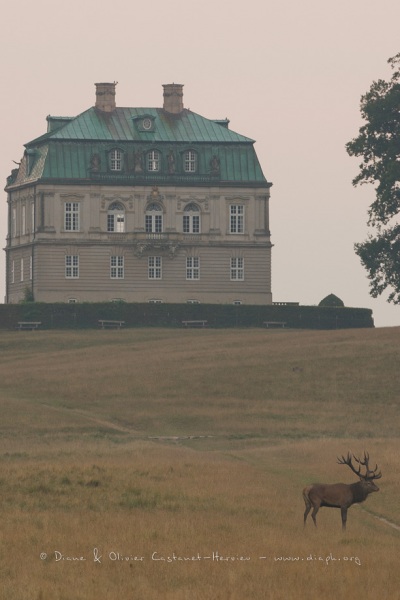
<point>287,73</point>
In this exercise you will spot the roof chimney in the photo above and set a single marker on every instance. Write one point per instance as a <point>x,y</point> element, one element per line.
<point>105,96</point>
<point>173,98</point>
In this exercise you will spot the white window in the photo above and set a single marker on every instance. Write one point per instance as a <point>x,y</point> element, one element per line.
<point>236,218</point>
<point>116,160</point>
<point>32,217</point>
<point>14,222</point>
<point>155,267</point>
<point>116,267</point>
<point>116,218</point>
<point>23,220</point>
<point>156,301</point>
<point>71,216</point>
<point>192,267</point>
<point>190,162</point>
<point>191,219</point>
<point>22,269</point>
<point>72,300</point>
<point>153,161</point>
<point>72,266</point>
<point>154,218</point>
<point>13,271</point>
<point>30,267</point>
<point>237,268</point>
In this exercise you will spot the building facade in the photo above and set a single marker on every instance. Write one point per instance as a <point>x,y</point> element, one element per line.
<point>138,205</point>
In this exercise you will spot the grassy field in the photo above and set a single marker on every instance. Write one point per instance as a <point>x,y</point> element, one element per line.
<point>169,464</point>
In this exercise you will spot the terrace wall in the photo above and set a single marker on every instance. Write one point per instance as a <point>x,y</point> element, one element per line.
<point>86,315</point>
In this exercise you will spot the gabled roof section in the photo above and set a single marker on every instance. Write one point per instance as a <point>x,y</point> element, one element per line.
<point>119,126</point>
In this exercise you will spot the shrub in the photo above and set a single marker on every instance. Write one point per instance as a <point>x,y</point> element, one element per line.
<point>331,300</point>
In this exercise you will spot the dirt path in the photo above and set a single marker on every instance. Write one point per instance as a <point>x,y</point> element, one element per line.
<point>393,525</point>
<point>81,413</point>
<point>110,425</point>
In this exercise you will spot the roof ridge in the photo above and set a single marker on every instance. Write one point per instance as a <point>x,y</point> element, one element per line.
<point>120,125</point>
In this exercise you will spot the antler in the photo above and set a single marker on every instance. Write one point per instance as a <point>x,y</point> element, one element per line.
<point>347,461</point>
<point>370,474</point>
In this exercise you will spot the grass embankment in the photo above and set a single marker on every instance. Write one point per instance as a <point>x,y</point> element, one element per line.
<point>195,444</point>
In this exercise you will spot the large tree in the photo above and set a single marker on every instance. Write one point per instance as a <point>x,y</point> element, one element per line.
<point>378,144</point>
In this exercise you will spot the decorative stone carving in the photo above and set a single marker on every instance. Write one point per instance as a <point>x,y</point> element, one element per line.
<point>95,163</point>
<point>215,166</point>
<point>155,196</point>
<point>147,247</point>
<point>117,198</point>
<point>171,162</point>
<point>201,200</point>
<point>138,162</point>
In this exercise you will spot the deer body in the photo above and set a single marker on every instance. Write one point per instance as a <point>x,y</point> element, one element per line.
<point>341,495</point>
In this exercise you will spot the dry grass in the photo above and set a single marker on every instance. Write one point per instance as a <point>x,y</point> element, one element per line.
<point>243,420</point>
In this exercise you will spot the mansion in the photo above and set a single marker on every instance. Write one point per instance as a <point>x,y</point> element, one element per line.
<point>138,205</point>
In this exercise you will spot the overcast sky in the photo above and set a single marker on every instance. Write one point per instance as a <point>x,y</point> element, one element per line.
<point>287,73</point>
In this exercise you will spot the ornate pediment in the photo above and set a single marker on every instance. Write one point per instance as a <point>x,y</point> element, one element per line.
<point>195,198</point>
<point>155,195</point>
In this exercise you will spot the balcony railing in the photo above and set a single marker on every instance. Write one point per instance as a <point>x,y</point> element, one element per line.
<point>138,236</point>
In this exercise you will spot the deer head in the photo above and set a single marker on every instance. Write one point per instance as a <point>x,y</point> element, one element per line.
<point>368,477</point>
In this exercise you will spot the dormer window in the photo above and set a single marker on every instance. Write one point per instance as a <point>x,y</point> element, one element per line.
<point>144,123</point>
<point>190,161</point>
<point>116,159</point>
<point>153,161</point>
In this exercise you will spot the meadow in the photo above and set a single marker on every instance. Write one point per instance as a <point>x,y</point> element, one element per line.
<point>149,464</point>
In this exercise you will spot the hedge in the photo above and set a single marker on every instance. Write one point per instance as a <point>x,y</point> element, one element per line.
<point>87,315</point>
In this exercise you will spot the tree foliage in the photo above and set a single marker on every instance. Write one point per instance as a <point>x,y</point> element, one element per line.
<point>378,144</point>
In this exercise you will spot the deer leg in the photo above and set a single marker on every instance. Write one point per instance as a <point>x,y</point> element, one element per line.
<point>307,501</point>
<point>343,510</point>
<point>308,508</point>
<point>314,514</point>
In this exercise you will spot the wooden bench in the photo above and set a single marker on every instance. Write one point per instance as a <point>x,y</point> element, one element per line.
<point>274,324</point>
<point>199,323</point>
<point>31,325</point>
<point>110,324</point>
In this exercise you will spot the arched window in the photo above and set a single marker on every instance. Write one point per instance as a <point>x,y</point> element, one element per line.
<point>154,218</point>
<point>116,218</point>
<point>190,161</point>
<point>153,161</point>
<point>116,160</point>
<point>191,219</point>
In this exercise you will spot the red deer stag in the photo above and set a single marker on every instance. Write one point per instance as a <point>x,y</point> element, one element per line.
<point>342,495</point>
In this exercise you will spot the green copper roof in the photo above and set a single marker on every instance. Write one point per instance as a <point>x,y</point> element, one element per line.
<point>121,125</point>
<point>72,161</point>
<point>68,151</point>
